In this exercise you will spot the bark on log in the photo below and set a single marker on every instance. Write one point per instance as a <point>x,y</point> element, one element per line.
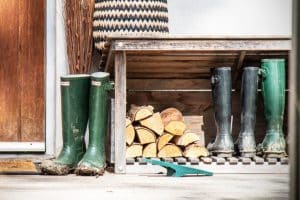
<point>171,114</point>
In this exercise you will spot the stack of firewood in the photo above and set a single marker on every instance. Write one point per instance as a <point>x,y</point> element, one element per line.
<point>163,135</point>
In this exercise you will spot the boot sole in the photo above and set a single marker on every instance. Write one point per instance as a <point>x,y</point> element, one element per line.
<point>86,171</point>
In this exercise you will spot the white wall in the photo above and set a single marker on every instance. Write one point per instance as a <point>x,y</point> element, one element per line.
<point>207,17</point>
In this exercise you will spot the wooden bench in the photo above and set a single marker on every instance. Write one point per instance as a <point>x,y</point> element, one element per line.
<point>177,64</point>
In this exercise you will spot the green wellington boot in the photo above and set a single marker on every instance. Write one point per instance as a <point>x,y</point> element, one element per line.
<point>94,162</point>
<point>221,93</point>
<point>74,100</point>
<point>273,91</point>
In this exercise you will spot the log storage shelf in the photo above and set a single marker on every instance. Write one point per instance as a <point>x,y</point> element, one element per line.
<point>174,71</point>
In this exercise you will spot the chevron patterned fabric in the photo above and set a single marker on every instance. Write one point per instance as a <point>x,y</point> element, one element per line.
<point>129,17</point>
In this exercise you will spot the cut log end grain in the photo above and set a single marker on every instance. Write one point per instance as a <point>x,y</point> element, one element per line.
<point>135,150</point>
<point>186,139</point>
<point>195,151</point>
<point>154,123</point>
<point>163,140</point>
<point>145,135</point>
<point>130,134</point>
<point>171,114</point>
<point>170,151</point>
<point>150,150</point>
<point>175,127</point>
<point>137,113</point>
<point>128,122</point>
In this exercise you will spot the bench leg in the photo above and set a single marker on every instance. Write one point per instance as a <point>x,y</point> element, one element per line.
<point>120,112</point>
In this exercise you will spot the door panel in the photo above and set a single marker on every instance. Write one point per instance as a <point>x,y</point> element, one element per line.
<point>9,71</point>
<point>32,70</point>
<point>22,33</point>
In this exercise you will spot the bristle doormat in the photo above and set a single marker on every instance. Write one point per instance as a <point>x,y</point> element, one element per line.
<point>18,167</point>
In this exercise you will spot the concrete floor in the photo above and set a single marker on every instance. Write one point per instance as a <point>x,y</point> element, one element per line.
<point>140,187</point>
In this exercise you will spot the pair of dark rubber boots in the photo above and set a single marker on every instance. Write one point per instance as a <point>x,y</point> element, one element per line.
<point>84,99</point>
<point>272,74</point>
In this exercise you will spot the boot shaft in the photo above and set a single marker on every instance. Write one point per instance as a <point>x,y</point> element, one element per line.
<point>100,87</point>
<point>273,91</point>
<point>74,107</point>
<point>221,93</point>
<point>248,99</point>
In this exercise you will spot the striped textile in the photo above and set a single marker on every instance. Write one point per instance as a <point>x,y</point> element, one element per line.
<point>129,17</point>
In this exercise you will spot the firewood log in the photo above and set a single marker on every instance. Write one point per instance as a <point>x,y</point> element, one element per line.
<point>154,123</point>
<point>135,150</point>
<point>145,135</point>
<point>186,139</point>
<point>175,127</point>
<point>170,151</point>
<point>163,140</point>
<point>171,114</point>
<point>150,150</point>
<point>137,113</point>
<point>195,151</point>
<point>130,134</point>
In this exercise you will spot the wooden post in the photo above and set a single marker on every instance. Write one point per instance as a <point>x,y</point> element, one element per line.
<point>294,114</point>
<point>120,112</point>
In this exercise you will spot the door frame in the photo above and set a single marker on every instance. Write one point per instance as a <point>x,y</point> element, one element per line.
<point>56,65</point>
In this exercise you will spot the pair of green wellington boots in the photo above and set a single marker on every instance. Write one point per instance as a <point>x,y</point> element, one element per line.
<point>84,100</point>
<point>273,91</point>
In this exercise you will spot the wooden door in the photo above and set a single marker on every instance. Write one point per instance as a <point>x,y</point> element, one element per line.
<point>22,70</point>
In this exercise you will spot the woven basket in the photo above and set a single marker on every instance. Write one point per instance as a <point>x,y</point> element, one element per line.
<point>129,17</point>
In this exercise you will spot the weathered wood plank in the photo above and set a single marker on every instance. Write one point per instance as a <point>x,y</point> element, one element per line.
<point>202,68</point>
<point>232,161</point>
<point>144,84</point>
<point>219,160</point>
<point>202,45</point>
<point>194,161</point>
<point>168,75</point>
<point>245,160</point>
<point>167,160</point>
<point>195,124</point>
<point>206,160</point>
<point>130,161</point>
<point>180,160</point>
<point>141,161</point>
<point>284,160</point>
<point>238,67</point>
<point>187,58</point>
<point>258,160</point>
<point>120,112</point>
<point>271,161</point>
